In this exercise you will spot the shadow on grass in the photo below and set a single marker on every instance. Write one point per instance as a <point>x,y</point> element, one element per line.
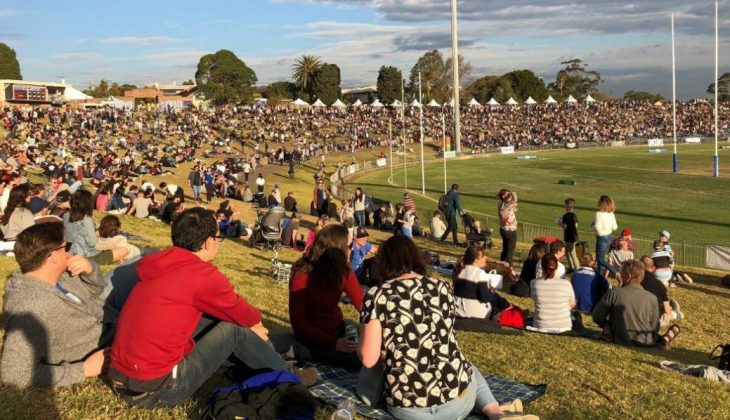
<point>16,403</point>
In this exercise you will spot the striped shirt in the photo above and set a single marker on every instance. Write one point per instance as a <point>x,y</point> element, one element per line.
<point>552,303</point>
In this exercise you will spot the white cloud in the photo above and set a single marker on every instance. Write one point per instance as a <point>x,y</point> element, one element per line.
<point>138,40</point>
<point>8,12</point>
<point>78,56</point>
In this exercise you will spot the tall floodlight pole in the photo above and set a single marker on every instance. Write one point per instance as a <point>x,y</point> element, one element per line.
<point>717,86</point>
<point>390,142</point>
<point>443,138</point>
<point>420,124</point>
<point>455,67</point>
<point>403,122</point>
<point>675,157</point>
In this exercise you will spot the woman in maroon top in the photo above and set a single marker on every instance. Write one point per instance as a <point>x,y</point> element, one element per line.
<point>317,282</point>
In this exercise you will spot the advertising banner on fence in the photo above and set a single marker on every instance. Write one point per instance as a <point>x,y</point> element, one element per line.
<point>450,154</point>
<point>718,257</point>
<point>571,145</point>
<point>507,150</point>
<point>655,142</point>
<point>618,143</point>
<point>694,140</point>
<point>381,163</point>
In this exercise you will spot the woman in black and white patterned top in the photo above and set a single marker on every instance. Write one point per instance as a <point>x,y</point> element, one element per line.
<point>408,325</point>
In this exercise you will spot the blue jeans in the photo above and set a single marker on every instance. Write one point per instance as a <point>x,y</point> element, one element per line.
<point>603,244</point>
<point>477,396</point>
<point>360,218</point>
<point>215,342</point>
<point>196,192</point>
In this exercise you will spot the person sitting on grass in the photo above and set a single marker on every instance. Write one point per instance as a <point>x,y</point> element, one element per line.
<point>554,298</point>
<point>17,216</point>
<point>473,296</point>
<point>628,314</point>
<point>183,320</point>
<point>110,237</point>
<point>141,205</point>
<point>361,248</point>
<point>529,271</point>
<point>588,285</point>
<point>54,336</point>
<point>668,308</point>
<point>557,249</point>
<point>81,232</point>
<point>426,374</point>
<point>318,280</point>
<point>290,233</point>
<point>622,253</point>
<point>438,227</point>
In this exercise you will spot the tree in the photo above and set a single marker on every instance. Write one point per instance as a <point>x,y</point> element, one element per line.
<point>9,66</point>
<point>390,80</point>
<point>432,68</point>
<point>723,93</point>
<point>465,71</point>
<point>188,83</point>
<point>278,91</point>
<point>225,79</point>
<point>640,96</point>
<point>304,70</point>
<point>575,79</point>
<point>518,84</point>
<point>326,84</point>
<point>106,89</point>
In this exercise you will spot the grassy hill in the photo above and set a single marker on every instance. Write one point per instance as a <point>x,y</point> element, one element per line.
<point>586,379</point>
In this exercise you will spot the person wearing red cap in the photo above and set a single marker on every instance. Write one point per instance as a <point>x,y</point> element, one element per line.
<point>625,236</point>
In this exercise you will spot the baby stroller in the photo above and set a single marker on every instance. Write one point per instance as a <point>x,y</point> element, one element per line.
<point>267,230</point>
<point>482,238</point>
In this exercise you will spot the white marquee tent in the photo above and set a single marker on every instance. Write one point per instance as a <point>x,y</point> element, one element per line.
<point>415,103</point>
<point>299,102</point>
<point>73,94</point>
<point>338,104</point>
<point>319,104</point>
<point>357,103</point>
<point>493,102</point>
<point>512,102</point>
<point>376,103</point>
<point>433,103</point>
<point>530,101</point>
<point>396,104</point>
<point>589,99</point>
<point>550,100</point>
<point>571,100</point>
<point>474,102</point>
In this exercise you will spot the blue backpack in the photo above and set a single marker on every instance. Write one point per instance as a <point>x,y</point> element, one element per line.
<point>270,395</point>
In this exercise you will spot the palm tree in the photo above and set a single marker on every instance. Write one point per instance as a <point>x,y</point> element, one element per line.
<point>305,68</point>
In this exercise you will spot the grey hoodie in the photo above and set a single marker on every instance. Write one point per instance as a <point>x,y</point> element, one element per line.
<point>47,334</point>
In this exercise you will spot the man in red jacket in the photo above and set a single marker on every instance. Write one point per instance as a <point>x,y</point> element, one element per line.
<point>183,320</point>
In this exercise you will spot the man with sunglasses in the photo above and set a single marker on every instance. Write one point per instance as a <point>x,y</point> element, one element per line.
<point>183,320</point>
<point>54,328</point>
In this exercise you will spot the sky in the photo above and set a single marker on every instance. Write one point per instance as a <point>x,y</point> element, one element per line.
<point>141,42</point>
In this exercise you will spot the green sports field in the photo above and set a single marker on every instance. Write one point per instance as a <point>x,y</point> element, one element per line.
<point>692,205</point>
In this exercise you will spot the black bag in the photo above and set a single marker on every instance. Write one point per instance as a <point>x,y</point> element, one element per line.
<point>723,356</point>
<point>521,289</point>
<point>270,395</point>
<point>444,204</point>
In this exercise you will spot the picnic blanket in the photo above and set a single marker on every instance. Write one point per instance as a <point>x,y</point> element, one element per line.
<point>337,385</point>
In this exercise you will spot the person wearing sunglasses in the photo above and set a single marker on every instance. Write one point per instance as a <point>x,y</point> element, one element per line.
<point>183,320</point>
<point>54,329</point>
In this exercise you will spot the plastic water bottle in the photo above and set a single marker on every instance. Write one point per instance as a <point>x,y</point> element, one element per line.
<point>345,411</point>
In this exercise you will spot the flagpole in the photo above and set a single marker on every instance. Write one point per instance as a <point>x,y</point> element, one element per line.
<point>675,157</point>
<point>390,143</point>
<point>405,143</point>
<point>443,135</point>
<point>420,123</point>
<point>717,85</point>
<point>455,71</point>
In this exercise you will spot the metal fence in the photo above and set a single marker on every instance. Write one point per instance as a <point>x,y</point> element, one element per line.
<point>688,255</point>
